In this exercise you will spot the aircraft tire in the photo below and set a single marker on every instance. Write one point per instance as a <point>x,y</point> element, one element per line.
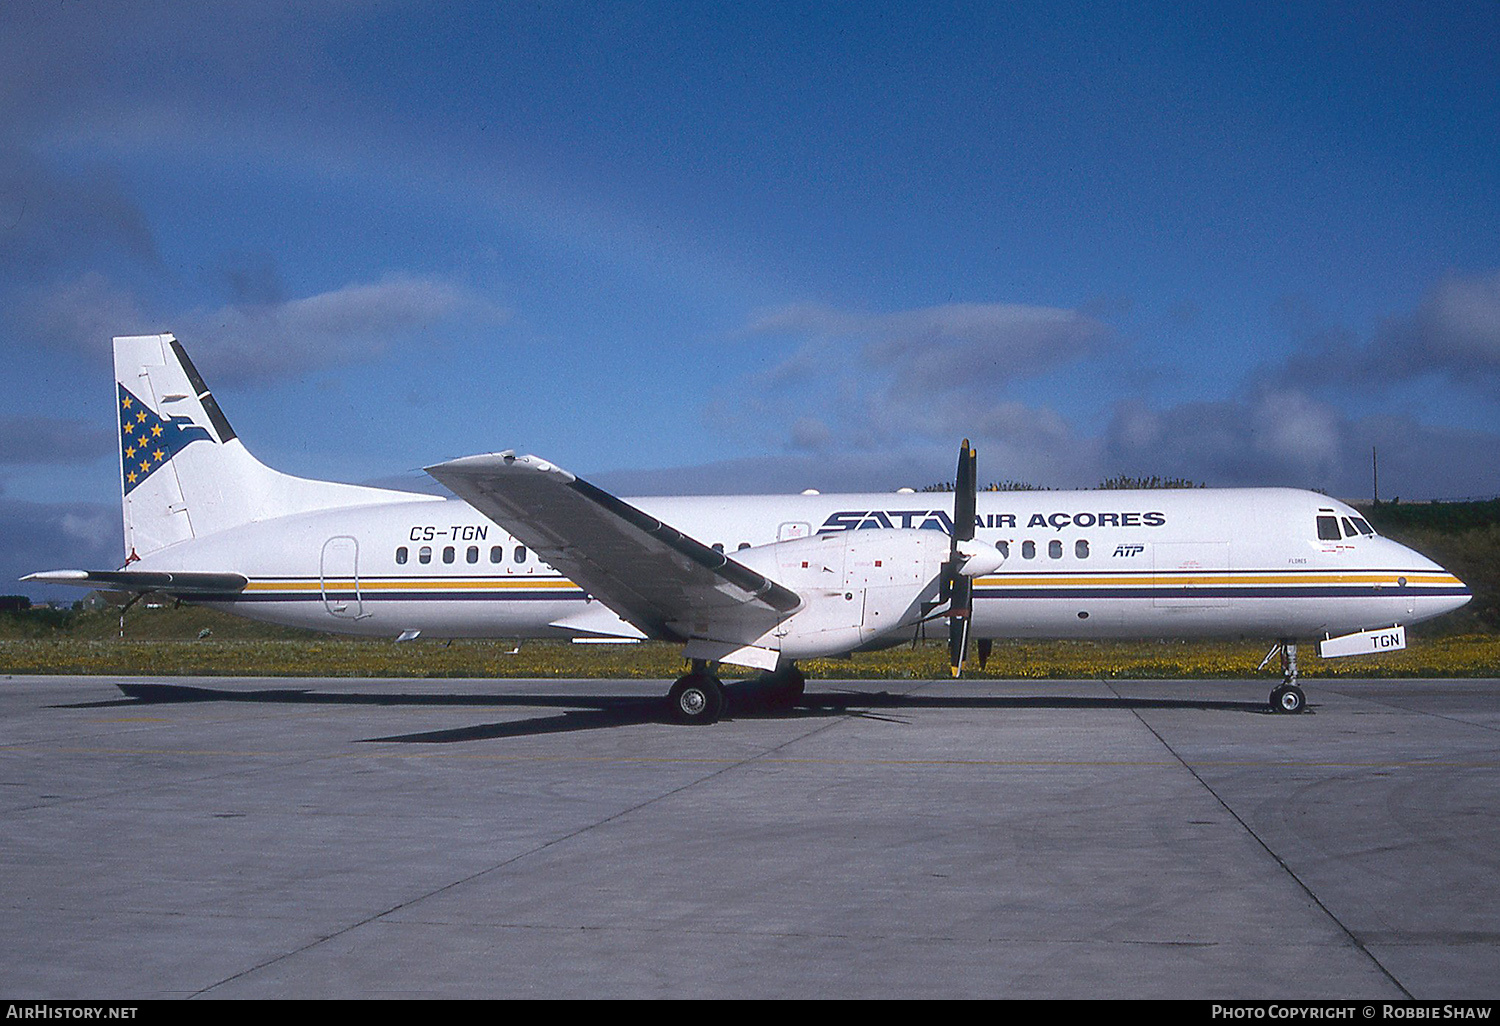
<point>1288,699</point>
<point>796,686</point>
<point>697,698</point>
<point>788,689</point>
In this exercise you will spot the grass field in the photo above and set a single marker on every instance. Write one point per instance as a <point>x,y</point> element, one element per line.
<point>201,642</point>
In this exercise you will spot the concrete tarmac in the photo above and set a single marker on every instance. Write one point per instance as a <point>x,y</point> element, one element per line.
<point>272,838</point>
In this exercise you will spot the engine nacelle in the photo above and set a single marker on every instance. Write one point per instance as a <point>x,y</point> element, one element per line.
<point>856,586</point>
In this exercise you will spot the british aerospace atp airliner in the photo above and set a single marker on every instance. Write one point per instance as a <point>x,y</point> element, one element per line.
<point>530,550</point>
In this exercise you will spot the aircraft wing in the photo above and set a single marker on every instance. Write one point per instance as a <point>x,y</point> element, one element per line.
<point>173,582</point>
<point>667,584</point>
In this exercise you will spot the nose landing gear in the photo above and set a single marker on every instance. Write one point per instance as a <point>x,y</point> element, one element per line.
<point>1288,698</point>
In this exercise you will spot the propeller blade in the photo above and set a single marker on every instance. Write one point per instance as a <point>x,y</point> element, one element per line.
<point>958,623</point>
<point>957,587</point>
<point>984,647</point>
<point>964,500</point>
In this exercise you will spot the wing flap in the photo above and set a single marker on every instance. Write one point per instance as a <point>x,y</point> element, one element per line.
<point>663,581</point>
<point>598,620</point>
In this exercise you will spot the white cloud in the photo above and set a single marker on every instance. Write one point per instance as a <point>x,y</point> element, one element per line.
<point>1456,329</point>
<point>1267,439</point>
<point>955,345</point>
<point>255,341</point>
<point>90,525</point>
<point>810,433</point>
<point>55,536</point>
<point>929,374</point>
<point>871,396</point>
<point>82,315</point>
<point>1454,333</point>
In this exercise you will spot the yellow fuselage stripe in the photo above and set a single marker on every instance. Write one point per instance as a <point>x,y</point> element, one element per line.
<point>402,585</point>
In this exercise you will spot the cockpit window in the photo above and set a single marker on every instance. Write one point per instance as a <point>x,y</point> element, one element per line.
<point>1328,529</point>
<point>1349,531</point>
<point>1363,526</point>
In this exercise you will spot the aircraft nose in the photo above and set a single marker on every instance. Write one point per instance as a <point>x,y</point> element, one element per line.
<point>1463,598</point>
<point>1450,592</point>
<point>1440,590</point>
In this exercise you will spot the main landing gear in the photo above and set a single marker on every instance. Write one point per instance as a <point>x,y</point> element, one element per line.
<point>787,686</point>
<point>698,696</point>
<point>1288,698</point>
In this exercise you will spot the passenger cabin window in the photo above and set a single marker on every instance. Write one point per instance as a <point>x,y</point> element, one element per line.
<point>1004,547</point>
<point>718,547</point>
<point>424,554</point>
<point>496,553</point>
<point>520,553</point>
<point>1328,529</point>
<point>447,553</point>
<point>742,546</point>
<point>401,554</point>
<point>473,554</point>
<point>1054,549</point>
<point>1028,550</point>
<point>1081,549</point>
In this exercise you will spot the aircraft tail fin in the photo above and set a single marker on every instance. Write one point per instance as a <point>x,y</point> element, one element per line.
<point>184,473</point>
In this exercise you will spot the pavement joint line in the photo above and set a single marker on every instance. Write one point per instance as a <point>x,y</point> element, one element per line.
<point>828,725</point>
<point>1312,896</point>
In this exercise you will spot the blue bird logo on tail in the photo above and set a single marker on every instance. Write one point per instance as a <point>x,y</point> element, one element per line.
<point>148,442</point>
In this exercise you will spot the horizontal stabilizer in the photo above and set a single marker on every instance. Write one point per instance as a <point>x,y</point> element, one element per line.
<point>173,582</point>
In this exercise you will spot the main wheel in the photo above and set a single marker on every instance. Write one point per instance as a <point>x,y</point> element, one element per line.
<point>796,685</point>
<point>696,698</point>
<point>1288,699</point>
<point>788,688</point>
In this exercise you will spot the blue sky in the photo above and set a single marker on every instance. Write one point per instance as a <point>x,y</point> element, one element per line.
<point>725,247</point>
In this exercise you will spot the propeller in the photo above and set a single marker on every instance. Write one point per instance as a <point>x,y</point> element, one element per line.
<point>958,584</point>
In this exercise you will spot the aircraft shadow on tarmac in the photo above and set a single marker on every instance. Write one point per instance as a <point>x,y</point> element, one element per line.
<point>745,700</point>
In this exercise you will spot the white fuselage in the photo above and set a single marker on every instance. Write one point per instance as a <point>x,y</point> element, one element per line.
<point>1103,563</point>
